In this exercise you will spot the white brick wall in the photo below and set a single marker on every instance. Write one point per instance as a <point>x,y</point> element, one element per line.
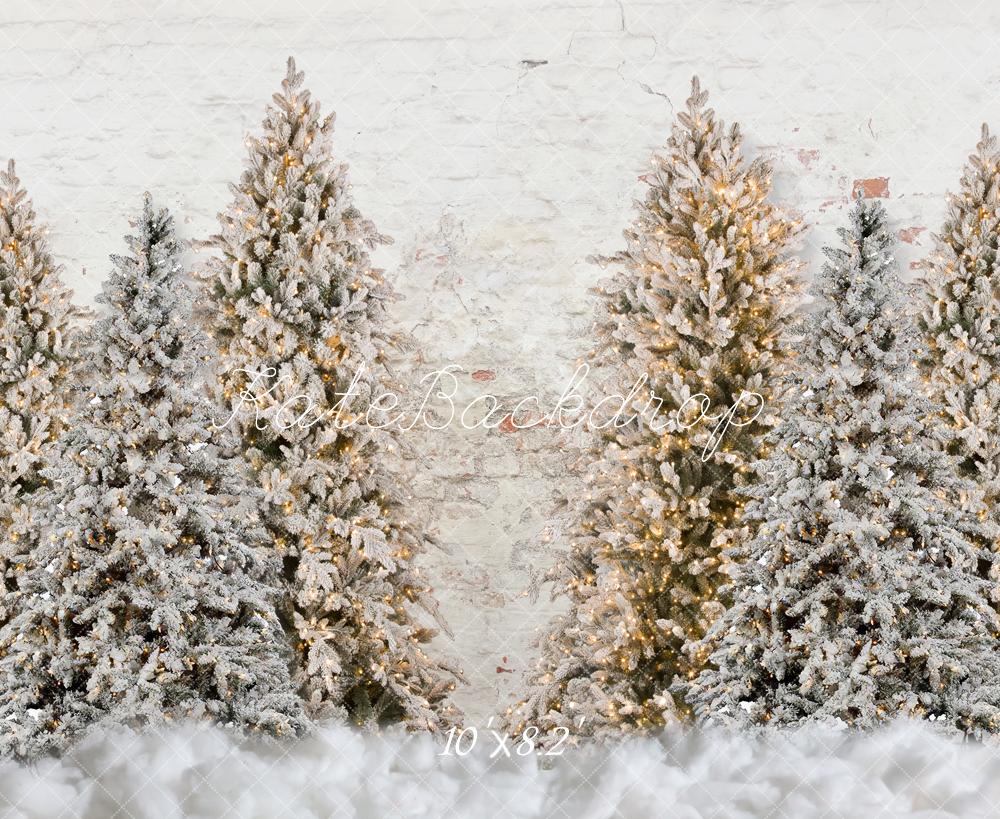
<point>500,144</point>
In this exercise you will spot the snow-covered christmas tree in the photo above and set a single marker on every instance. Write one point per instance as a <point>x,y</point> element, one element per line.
<point>706,286</point>
<point>153,598</point>
<point>301,322</point>
<point>858,599</point>
<point>960,324</point>
<point>35,340</point>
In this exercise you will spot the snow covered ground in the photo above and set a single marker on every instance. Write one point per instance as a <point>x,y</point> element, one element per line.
<point>905,770</point>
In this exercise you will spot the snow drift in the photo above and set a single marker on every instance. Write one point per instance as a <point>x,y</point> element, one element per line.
<point>192,771</point>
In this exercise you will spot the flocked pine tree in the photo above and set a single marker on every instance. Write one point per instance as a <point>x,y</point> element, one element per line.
<point>154,596</point>
<point>301,317</point>
<point>960,323</point>
<point>858,599</point>
<point>35,338</point>
<point>698,308</point>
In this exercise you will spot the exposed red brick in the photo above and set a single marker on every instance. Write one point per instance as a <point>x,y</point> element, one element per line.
<point>910,235</point>
<point>420,253</point>
<point>807,155</point>
<point>483,375</point>
<point>875,188</point>
<point>526,420</point>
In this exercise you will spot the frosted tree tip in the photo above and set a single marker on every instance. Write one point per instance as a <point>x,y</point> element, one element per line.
<point>698,97</point>
<point>9,179</point>
<point>870,212</point>
<point>293,78</point>
<point>986,140</point>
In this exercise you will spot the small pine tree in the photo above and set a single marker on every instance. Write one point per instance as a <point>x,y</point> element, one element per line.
<point>150,600</point>
<point>858,598</point>
<point>301,316</point>
<point>706,286</point>
<point>35,339</point>
<point>960,324</point>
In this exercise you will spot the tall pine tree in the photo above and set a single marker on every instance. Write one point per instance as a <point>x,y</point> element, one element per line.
<point>35,339</point>
<point>858,599</point>
<point>960,324</point>
<point>698,308</point>
<point>154,596</point>
<point>301,316</point>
